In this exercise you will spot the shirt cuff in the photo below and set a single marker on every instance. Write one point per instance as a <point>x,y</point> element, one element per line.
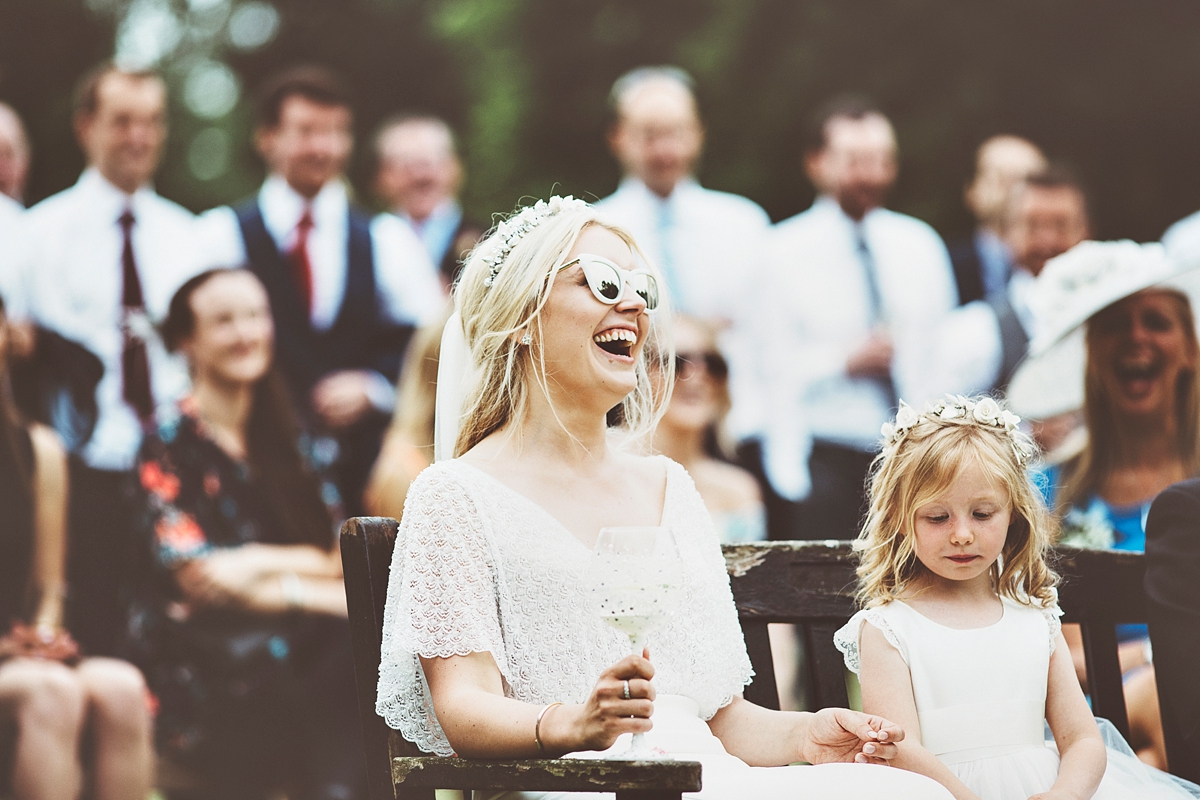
<point>381,392</point>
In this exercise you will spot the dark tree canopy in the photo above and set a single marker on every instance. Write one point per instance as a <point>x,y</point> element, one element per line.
<point>1110,87</point>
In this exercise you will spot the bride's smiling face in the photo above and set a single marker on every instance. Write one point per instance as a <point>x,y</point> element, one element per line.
<point>591,348</point>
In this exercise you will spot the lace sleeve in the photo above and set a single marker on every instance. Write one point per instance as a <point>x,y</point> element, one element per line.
<point>846,638</point>
<point>441,602</point>
<point>1053,615</point>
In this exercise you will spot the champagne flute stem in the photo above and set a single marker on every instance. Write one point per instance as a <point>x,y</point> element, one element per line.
<point>637,745</point>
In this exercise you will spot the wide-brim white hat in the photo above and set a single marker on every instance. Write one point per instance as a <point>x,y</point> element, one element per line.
<point>1070,290</point>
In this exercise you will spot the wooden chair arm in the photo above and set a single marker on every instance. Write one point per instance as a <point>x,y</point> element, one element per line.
<point>546,775</point>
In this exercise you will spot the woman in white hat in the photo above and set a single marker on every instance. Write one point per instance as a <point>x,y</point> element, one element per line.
<point>1141,410</point>
<point>492,646</point>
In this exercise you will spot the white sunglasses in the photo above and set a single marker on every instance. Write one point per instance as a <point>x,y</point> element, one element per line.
<point>607,280</point>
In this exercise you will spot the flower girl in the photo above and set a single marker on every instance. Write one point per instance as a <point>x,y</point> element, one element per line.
<point>959,637</point>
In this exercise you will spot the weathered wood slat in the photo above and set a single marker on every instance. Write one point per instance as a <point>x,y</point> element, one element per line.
<point>544,775</point>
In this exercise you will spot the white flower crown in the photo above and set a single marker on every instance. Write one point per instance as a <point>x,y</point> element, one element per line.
<point>983,411</point>
<point>512,230</point>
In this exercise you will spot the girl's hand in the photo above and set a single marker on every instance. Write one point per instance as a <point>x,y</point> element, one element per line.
<point>596,724</point>
<point>838,734</point>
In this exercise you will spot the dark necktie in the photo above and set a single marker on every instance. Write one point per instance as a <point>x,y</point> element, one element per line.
<point>301,266</point>
<point>875,307</point>
<point>135,364</point>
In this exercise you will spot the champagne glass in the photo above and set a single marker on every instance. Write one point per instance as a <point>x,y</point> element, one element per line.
<point>637,582</point>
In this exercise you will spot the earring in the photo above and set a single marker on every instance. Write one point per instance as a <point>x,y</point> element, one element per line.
<point>527,340</point>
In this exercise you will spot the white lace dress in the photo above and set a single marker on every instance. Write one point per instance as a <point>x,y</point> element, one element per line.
<point>478,567</point>
<point>981,702</point>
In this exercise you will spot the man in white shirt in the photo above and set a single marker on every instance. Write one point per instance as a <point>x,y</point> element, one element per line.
<point>707,244</point>
<point>977,347</point>
<point>109,254</point>
<point>345,289</point>
<point>983,263</point>
<point>848,279</point>
<point>418,177</point>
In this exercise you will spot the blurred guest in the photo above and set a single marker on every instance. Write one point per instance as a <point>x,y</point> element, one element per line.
<point>14,154</point>
<point>345,290</point>
<point>690,430</point>
<point>408,445</point>
<point>245,637</point>
<point>47,692</point>
<point>418,178</point>
<point>983,263</point>
<point>109,253</point>
<point>1142,412</point>
<point>976,347</point>
<point>849,280</point>
<point>707,244</point>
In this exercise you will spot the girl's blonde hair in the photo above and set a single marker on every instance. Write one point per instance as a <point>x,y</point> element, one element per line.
<point>917,465</point>
<point>500,304</point>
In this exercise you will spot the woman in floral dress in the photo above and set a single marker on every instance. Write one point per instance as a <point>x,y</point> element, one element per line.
<point>244,636</point>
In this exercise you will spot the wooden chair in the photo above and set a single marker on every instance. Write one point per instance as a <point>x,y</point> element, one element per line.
<point>810,584</point>
<point>397,769</point>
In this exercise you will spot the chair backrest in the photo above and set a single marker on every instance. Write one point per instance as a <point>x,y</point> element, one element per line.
<point>812,585</point>
<point>367,544</point>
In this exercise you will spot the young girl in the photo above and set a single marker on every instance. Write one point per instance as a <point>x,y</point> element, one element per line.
<point>959,638</point>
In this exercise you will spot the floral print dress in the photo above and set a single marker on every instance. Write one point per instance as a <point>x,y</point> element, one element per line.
<point>198,498</point>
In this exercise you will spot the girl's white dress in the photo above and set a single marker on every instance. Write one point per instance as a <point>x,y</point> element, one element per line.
<point>479,568</point>
<point>981,702</point>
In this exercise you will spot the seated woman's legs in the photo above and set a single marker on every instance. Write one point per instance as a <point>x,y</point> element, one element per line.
<point>121,728</point>
<point>47,701</point>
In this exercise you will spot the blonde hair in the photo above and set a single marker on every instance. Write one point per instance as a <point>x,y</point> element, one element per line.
<point>919,465</point>
<point>499,308</point>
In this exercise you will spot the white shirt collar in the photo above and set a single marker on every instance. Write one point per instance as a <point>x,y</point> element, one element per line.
<point>682,189</point>
<point>107,199</point>
<point>282,206</point>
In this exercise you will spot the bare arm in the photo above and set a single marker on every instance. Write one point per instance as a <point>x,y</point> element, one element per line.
<point>480,722</point>
<point>887,691</point>
<point>268,579</point>
<point>1081,750</point>
<point>50,486</point>
<point>765,738</point>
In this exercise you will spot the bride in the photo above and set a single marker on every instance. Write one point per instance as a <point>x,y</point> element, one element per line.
<point>491,648</point>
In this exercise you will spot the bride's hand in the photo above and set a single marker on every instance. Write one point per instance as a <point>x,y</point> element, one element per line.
<point>596,724</point>
<point>838,734</point>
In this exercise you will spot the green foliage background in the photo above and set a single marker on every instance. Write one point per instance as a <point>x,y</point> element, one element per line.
<point>1110,86</point>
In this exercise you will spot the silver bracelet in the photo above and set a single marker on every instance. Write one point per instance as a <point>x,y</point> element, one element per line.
<point>537,727</point>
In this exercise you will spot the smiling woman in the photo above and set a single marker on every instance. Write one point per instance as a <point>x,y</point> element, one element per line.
<point>492,646</point>
<point>1142,413</point>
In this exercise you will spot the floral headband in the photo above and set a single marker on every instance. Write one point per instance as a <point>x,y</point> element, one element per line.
<point>983,411</point>
<point>509,232</point>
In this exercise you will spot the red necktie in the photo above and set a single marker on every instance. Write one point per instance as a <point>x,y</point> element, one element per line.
<point>301,266</point>
<point>135,365</point>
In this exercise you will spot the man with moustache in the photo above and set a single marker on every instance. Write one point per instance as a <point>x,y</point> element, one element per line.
<point>345,289</point>
<point>109,254</point>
